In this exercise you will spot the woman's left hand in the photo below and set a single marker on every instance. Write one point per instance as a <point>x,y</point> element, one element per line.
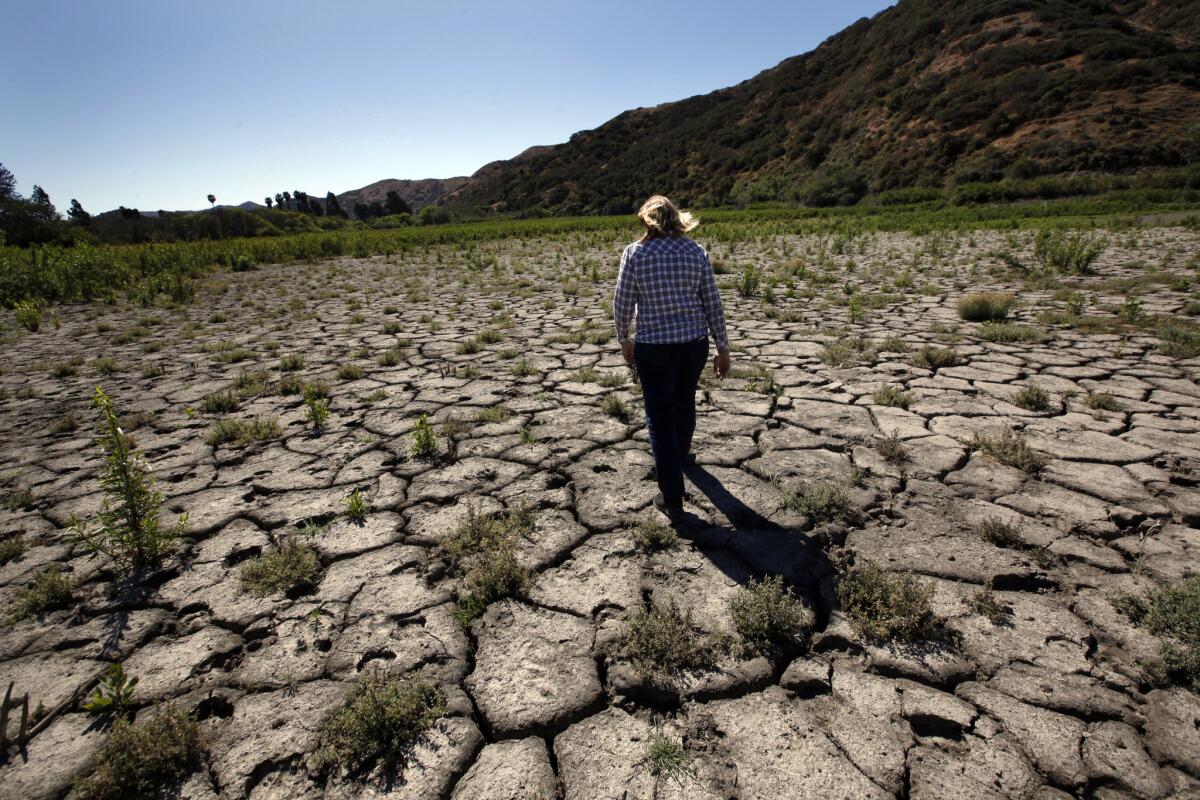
<point>627,352</point>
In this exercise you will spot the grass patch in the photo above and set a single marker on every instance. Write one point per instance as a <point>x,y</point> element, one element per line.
<point>1000,533</point>
<point>1012,450</point>
<point>935,358</point>
<point>615,408</point>
<point>884,606</point>
<point>661,639</point>
<point>1008,332</point>
<point>1103,401</point>
<point>822,502</point>
<point>382,720</point>
<point>1173,613</point>
<point>222,402</point>
<point>50,590</point>
<point>290,566</point>
<point>12,547</point>
<point>483,549</point>
<point>142,761</point>
<point>668,757</point>
<point>893,396</point>
<point>495,414</point>
<point>985,604</point>
<point>892,449</point>
<point>1032,398</point>
<point>243,432</point>
<point>768,616</point>
<point>985,306</point>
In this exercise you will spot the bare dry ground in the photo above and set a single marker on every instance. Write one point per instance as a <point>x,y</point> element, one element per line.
<point>1034,686</point>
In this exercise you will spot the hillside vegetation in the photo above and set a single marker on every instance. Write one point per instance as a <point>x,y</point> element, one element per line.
<point>925,94</point>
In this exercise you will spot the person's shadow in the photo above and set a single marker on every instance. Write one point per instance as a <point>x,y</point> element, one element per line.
<point>767,547</point>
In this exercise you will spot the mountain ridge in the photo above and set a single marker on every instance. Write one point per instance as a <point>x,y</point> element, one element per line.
<point>920,95</point>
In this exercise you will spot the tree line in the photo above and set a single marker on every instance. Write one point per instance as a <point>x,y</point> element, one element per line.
<point>35,220</point>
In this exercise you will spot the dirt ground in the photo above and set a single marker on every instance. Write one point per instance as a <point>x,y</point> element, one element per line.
<point>1052,696</point>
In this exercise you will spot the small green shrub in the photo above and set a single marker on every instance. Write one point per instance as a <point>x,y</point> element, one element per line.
<point>1073,252</point>
<point>985,604</point>
<point>49,590</point>
<point>1000,533</point>
<point>893,396</point>
<point>221,402</point>
<point>892,449</point>
<point>113,695</point>
<point>1032,398</point>
<point>1173,613</point>
<point>748,283</point>
<point>12,547</point>
<point>469,347</point>
<point>349,372</point>
<point>884,606</point>
<point>291,565</point>
<point>1009,332</point>
<point>1011,449</point>
<point>936,358</point>
<point>1103,401</point>
<point>128,529</point>
<point>243,432</point>
<point>392,357</point>
<point>357,506</point>
<point>654,536</point>
<point>424,439</point>
<point>382,720</point>
<point>293,362</point>
<point>28,315</point>
<point>822,502</point>
<point>495,414</point>
<point>615,408</point>
<point>662,639</point>
<point>144,761</point>
<point>523,368</point>
<point>316,411</point>
<point>985,306</point>
<point>767,615</point>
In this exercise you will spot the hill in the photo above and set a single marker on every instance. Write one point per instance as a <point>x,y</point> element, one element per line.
<point>923,94</point>
<point>417,193</point>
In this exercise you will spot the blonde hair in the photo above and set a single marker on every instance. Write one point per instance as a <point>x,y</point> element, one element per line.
<point>662,218</point>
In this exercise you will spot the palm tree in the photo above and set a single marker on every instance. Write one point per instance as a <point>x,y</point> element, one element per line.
<point>212,199</point>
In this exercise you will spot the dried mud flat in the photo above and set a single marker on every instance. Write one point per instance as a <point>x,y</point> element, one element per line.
<point>1053,699</point>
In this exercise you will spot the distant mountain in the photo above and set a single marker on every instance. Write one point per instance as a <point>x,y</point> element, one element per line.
<point>924,93</point>
<point>417,193</point>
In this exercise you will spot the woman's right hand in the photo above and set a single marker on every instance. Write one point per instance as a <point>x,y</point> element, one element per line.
<point>721,365</point>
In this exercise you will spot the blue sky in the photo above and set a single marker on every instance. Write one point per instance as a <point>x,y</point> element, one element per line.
<point>154,104</point>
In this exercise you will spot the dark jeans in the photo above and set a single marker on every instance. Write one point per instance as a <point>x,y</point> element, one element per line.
<point>669,374</point>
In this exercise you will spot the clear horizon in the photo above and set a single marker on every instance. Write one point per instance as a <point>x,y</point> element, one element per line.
<point>154,106</point>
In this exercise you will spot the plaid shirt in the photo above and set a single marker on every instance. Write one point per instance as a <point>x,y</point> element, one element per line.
<point>671,282</point>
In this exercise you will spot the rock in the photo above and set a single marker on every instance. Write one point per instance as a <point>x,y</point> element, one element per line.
<point>533,669</point>
<point>1173,728</point>
<point>779,751</point>
<point>599,758</point>
<point>807,676</point>
<point>168,667</point>
<point>510,770</point>
<point>977,769</point>
<point>51,762</point>
<point>1078,695</point>
<point>934,713</point>
<point>268,728</point>
<point>1113,752</point>
<point>1051,740</point>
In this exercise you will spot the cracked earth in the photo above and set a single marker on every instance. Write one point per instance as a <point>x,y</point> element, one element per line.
<point>1054,700</point>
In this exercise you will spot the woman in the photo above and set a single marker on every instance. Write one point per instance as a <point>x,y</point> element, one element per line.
<point>670,281</point>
